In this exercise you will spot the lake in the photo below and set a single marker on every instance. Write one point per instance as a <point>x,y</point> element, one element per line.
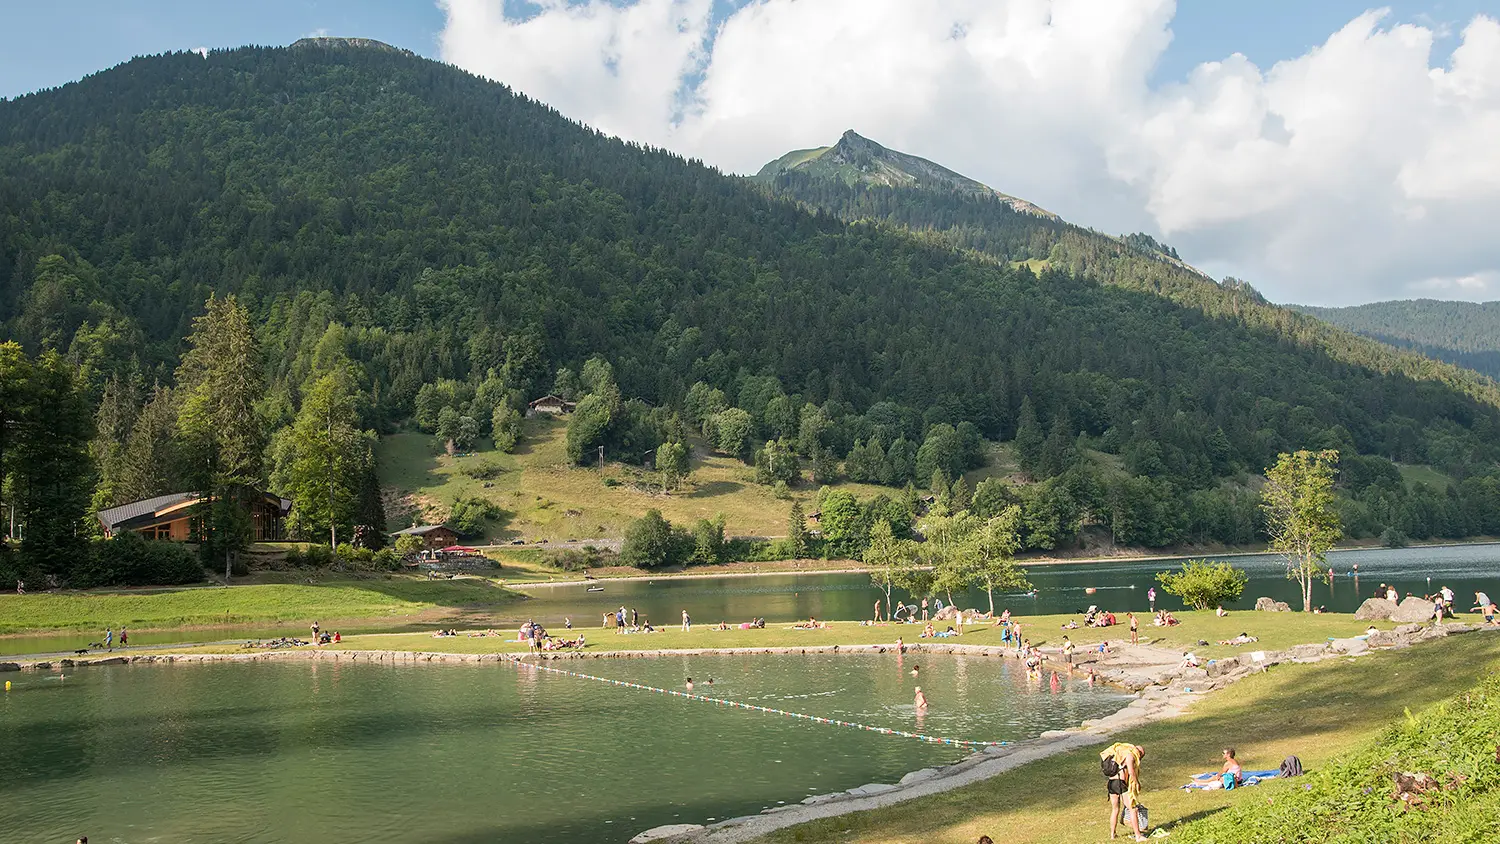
<point>453,754</point>
<point>1119,586</point>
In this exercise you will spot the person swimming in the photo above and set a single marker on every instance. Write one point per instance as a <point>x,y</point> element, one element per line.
<point>690,684</point>
<point>920,701</point>
<point>915,669</point>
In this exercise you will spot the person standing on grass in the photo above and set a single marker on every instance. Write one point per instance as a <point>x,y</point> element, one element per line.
<point>924,609</point>
<point>687,622</point>
<point>1121,763</point>
<point>1151,597</point>
<point>877,609</point>
<point>1135,629</point>
<point>315,630</point>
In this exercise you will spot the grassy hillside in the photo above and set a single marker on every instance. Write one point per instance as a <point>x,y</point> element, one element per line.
<point>546,497</point>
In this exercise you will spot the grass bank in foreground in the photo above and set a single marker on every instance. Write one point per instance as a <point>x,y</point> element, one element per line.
<point>1315,711</point>
<point>1354,798</point>
<point>374,597</point>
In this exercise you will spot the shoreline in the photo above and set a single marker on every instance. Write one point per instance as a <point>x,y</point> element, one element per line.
<point>1022,563</point>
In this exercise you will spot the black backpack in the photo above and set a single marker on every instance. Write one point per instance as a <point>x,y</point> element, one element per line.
<point>1109,767</point>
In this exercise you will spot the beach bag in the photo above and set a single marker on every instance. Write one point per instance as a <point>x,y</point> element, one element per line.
<point>1291,767</point>
<point>1109,767</point>
<point>1228,780</point>
<point>1142,818</point>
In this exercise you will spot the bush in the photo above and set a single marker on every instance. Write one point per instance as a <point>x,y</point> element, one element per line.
<point>1202,584</point>
<point>1392,537</point>
<point>649,542</point>
<point>482,470</point>
<point>572,559</point>
<point>131,560</point>
<point>470,516</point>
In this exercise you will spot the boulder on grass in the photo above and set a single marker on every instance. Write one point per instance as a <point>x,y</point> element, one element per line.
<point>1375,609</point>
<point>1268,605</point>
<point>1412,609</point>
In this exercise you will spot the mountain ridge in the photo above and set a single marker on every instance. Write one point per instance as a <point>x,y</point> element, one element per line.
<point>857,159</point>
<point>1465,334</point>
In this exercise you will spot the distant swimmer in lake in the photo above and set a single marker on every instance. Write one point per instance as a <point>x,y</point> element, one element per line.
<point>915,669</point>
<point>690,684</point>
<point>920,701</point>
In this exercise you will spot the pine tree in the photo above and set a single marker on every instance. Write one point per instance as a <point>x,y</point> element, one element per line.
<point>1029,439</point>
<point>220,381</point>
<point>796,531</point>
<point>53,473</point>
<point>324,457</point>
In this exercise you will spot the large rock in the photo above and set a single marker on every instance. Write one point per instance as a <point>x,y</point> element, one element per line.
<point>666,833</point>
<point>1352,647</point>
<point>1375,609</point>
<point>1268,605</point>
<point>1412,609</point>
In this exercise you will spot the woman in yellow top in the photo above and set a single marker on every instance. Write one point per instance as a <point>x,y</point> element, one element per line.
<point>1124,786</point>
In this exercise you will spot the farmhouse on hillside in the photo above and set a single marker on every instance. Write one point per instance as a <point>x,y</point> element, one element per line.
<point>174,516</point>
<point>433,536</point>
<point>552,405</point>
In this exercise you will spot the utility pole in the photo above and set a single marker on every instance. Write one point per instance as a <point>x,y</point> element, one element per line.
<point>601,457</point>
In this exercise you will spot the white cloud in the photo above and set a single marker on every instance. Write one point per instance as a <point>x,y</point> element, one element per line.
<point>1356,171</point>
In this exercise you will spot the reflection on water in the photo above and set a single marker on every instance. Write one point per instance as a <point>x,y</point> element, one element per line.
<point>468,753</point>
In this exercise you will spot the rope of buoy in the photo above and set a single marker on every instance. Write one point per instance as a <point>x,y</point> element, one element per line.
<point>816,719</point>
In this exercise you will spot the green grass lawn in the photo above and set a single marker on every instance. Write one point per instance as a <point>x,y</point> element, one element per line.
<point>1277,631</point>
<point>1313,711</point>
<point>1414,474</point>
<point>375,597</point>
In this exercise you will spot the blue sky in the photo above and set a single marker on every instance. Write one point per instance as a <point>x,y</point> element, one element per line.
<point>45,44</point>
<point>1348,157</point>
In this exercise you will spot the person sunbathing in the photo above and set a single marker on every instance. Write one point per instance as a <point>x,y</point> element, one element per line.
<point>1232,766</point>
<point>928,632</point>
<point>1242,639</point>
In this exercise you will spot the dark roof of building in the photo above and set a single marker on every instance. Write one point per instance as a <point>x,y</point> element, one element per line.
<point>550,398</point>
<point>111,516</point>
<point>423,530</point>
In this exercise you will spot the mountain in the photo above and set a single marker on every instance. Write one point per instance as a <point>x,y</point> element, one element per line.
<point>1462,333</point>
<point>468,248</point>
<point>857,160</point>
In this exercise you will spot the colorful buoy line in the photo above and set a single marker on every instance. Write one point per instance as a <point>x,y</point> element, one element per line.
<point>734,704</point>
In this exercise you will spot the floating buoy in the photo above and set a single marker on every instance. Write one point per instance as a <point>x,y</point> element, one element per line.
<point>1090,590</point>
<point>7,685</point>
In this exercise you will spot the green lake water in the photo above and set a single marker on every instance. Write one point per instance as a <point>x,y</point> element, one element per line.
<point>1118,586</point>
<point>454,754</point>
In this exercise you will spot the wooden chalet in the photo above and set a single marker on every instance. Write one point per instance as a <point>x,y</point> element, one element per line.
<point>434,537</point>
<point>174,516</point>
<point>551,405</point>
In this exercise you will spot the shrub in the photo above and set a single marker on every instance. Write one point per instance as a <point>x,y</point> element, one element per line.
<point>1392,537</point>
<point>131,560</point>
<point>482,470</point>
<point>572,559</point>
<point>471,515</point>
<point>1202,584</point>
<point>649,542</point>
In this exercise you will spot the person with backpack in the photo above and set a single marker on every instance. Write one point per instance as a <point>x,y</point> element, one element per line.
<point>1121,765</point>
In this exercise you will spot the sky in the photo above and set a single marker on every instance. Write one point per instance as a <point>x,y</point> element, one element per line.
<point>1327,152</point>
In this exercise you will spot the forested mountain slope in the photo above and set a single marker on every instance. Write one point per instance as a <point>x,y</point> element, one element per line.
<point>1462,333</point>
<point>454,233</point>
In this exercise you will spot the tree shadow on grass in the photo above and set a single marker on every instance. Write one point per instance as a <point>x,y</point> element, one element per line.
<point>713,488</point>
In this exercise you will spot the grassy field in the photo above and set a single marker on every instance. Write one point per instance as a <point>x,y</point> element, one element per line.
<point>1313,711</point>
<point>1276,631</point>
<point>1425,475</point>
<point>374,597</point>
<point>546,497</point>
